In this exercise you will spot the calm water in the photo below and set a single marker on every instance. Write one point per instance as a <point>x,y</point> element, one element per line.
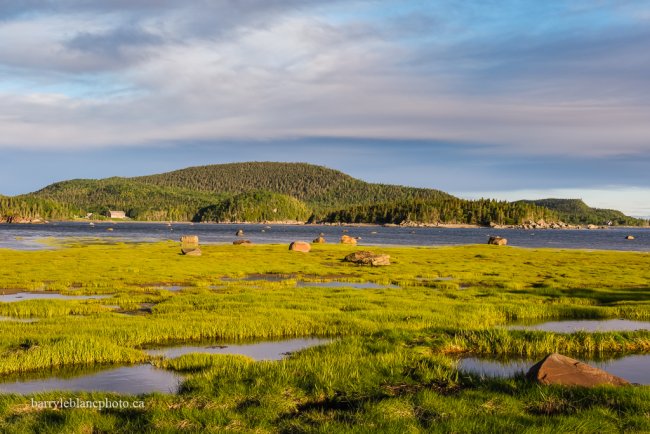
<point>26,236</point>
<point>571,326</point>
<point>146,378</point>
<point>258,350</point>
<point>635,369</point>
<point>22,296</point>
<point>336,284</point>
<point>127,379</point>
<point>169,288</point>
<point>306,284</point>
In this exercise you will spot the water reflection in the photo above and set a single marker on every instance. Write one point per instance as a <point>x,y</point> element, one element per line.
<point>274,350</point>
<point>22,296</point>
<point>127,379</point>
<point>634,368</point>
<point>571,326</point>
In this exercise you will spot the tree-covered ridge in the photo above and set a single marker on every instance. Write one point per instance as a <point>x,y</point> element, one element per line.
<point>319,187</point>
<point>283,191</point>
<point>257,206</point>
<point>459,211</point>
<point>575,211</point>
<point>140,201</point>
<point>30,208</point>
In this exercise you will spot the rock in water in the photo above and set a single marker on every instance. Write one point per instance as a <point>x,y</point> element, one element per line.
<point>241,242</point>
<point>319,240</point>
<point>346,239</point>
<point>368,258</point>
<point>558,369</point>
<point>629,237</point>
<point>240,233</point>
<point>498,241</point>
<point>300,246</point>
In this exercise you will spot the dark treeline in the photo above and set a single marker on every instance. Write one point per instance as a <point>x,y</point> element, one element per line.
<point>458,211</point>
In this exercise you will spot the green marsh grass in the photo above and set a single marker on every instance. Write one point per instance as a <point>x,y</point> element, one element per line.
<point>390,367</point>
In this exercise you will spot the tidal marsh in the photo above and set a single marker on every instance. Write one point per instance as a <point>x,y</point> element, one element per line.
<point>391,364</point>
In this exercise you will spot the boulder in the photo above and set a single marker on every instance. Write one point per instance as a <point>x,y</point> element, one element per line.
<point>346,239</point>
<point>191,251</point>
<point>319,240</point>
<point>190,240</point>
<point>240,233</point>
<point>368,258</point>
<point>498,241</point>
<point>558,369</point>
<point>241,242</point>
<point>300,246</point>
<point>190,245</point>
<point>629,237</point>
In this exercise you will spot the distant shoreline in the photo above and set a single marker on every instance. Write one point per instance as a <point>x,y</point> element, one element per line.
<point>412,225</point>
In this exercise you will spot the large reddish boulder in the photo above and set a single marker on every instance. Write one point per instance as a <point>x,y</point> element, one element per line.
<point>300,246</point>
<point>558,369</point>
<point>242,242</point>
<point>346,239</point>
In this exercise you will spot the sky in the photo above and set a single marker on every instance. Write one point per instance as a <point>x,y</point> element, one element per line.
<point>508,99</point>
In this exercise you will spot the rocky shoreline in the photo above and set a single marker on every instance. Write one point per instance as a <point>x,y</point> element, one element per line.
<point>22,220</point>
<point>528,225</point>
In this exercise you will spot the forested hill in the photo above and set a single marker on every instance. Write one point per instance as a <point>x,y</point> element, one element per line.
<point>575,211</point>
<point>140,201</point>
<point>21,208</point>
<point>254,192</point>
<point>322,188</point>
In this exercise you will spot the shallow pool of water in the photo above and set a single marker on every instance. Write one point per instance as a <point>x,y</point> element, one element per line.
<point>22,296</point>
<point>274,350</point>
<point>128,379</point>
<point>337,284</point>
<point>258,278</point>
<point>571,326</point>
<point>169,287</point>
<point>634,368</point>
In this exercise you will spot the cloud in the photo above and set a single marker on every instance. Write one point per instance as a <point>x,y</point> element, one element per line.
<point>117,44</point>
<point>262,70</point>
